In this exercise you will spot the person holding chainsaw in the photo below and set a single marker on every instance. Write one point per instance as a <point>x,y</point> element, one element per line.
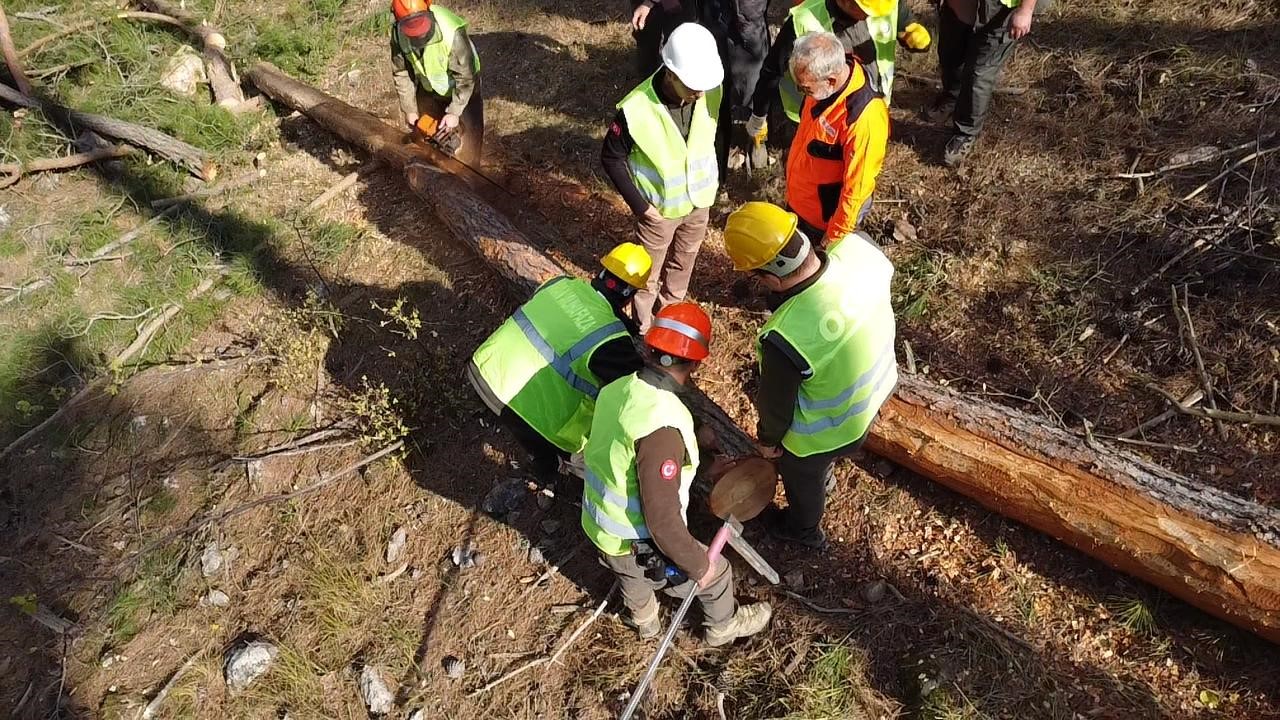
<point>541,370</point>
<point>870,30</point>
<point>641,456</point>
<point>826,355</point>
<point>660,153</point>
<point>437,77</point>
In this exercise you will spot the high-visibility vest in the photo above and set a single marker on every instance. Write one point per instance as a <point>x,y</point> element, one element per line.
<point>843,326</point>
<point>813,16</point>
<point>431,63</point>
<point>538,362</point>
<point>627,410</point>
<point>673,174</point>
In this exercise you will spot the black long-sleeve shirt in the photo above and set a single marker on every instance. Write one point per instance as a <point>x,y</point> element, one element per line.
<point>782,370</point>
<point>853,34</point>
<point>618,144</point>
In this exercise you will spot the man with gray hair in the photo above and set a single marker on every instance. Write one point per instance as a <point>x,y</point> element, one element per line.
<point>839,147</point>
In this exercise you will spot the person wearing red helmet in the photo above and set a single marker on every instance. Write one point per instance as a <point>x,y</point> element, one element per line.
<point>641,456</point>
<point>437,73</point>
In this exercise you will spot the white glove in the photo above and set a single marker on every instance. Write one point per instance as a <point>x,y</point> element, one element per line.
<point>755,125</point>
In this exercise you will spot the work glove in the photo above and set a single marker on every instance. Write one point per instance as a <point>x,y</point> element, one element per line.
<point>757,129</point>
<point>915,38</point>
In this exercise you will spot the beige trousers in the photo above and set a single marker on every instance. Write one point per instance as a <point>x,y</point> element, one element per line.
<point>673,246</point>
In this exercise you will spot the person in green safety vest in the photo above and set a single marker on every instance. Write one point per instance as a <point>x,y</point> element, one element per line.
<point>541,370</point>
<point>660,153</point>
<point>975,40</point>
<point>437,74</point>
<point>869,30</point>
<point>826,355</point>
<point>641,456</point>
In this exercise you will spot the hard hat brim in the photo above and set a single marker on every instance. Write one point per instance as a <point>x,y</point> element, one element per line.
<point>702,79</point>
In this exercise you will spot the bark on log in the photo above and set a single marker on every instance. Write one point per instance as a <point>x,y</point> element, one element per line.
<point>221,71</point>
<point>10,54</point>
<point>1215,551</point>
<point>192,158</point>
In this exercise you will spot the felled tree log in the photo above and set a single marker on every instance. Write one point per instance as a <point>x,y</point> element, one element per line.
<point>1215,551</point>
<point>10,54</point>
<point>221,71</point>
<point>195,160</point>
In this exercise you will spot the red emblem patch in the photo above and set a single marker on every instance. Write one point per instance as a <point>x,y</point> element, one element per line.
<point>669,469</point>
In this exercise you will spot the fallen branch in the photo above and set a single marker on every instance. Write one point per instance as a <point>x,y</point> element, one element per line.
<point>214,517</point>
<point>553,568</point>
<point>15,171</point>
<point>1197,246</point>
<point>545,660</point>
<point>338,188</point>
<point>1195,161</point>
<point>74,28</point>
<point>154,325</point>
<point>11,56</point>
<point>819,608</point>
<point>61,67</point>
<point>153,707</point>
<point>1230,168</point>
<point>75,400</point>
<point>223,80</point>
<point>1206,384</point>
<point>1190,398</point>
<point>195,160</point>
<point>1227,415</point>
<point>224,187</point>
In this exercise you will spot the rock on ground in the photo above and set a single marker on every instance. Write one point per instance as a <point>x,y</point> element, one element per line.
<point>395,546</point>
<point>247,663</point>
<point>217,598</point>
<point>374,690</point>
<point>184,72</point>
<point>211,560</point>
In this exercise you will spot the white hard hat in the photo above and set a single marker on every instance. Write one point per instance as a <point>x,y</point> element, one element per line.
<point>691,54</point>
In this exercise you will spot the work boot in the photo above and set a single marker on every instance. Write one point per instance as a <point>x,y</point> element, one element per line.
<point>646,621</point>
<point>778,527</point>
<point>939,111</point>
<point>747,620</point>
<point>958,148</point>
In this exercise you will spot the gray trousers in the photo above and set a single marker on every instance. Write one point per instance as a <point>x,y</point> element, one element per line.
<point>970,58</point>
<point>470,122</point>
<point>638,591</point>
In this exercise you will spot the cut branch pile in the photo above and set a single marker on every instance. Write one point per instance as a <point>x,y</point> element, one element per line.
<point>1216,551</point>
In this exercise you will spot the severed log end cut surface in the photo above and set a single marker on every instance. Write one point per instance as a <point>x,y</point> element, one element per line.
<point>1216,551</point>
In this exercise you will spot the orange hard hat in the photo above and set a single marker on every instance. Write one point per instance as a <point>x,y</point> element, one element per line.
<point>682,330</point>
<point>404,8</point>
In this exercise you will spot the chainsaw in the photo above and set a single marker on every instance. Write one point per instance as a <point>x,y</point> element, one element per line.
<point>428,130</point>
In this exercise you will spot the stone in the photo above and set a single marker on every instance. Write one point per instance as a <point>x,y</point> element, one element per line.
<point>465,557</point>
<point>794,580</point>
<point>873,592</point>
<point>454,667</point>
<point>247,663</point>
<point>217,598</point>
<point>544,501</point>
<point>184,72</point>
<point>211,560</point>
<point>374,690</point>
<point>137,423</point>
<point>535,555</point>
<point>395,546</point>
<point>504,497</point>
<point>5,218</point>
<point>550,526</point>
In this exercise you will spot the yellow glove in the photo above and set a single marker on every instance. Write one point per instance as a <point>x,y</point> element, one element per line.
<point>915,37</point>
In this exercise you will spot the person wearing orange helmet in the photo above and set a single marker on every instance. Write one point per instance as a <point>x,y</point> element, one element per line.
<point>437,73</point>
<point>641,456</point>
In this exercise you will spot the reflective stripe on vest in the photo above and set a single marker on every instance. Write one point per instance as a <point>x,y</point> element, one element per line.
<point>843,327</point>
<point>626,411</point>
<point>431,63</point>
<point>537,363</point>
<point>813,16</point>
<point>674,174</point>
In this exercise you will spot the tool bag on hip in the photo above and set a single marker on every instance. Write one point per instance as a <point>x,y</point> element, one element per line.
<point>656,566</point>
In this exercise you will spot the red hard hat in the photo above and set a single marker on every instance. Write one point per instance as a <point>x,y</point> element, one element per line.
<point>682,330</point>
<point>404,8</point>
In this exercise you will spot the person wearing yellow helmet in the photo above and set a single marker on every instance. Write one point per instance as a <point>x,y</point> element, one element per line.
<point>870,30</point>
<point>975,40</point>
<point>541,370</point>
<point>826,354</point>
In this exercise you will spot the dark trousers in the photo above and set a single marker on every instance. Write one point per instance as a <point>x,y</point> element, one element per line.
<point>804,479</point>
<point>544,457</point>
<point>657,27</point>
<point>970,58</point>
<point>470,122</point>
<point>747,44</point>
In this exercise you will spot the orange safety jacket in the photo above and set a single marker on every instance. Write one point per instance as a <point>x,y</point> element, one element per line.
<point>836,155</point>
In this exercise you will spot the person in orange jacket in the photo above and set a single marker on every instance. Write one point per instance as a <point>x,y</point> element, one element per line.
<point>839,147</point>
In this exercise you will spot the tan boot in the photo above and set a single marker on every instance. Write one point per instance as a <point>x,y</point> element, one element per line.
<point>747,620</point>
<point>646,621</point>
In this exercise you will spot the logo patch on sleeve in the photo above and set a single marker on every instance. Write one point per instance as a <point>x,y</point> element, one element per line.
<point>669,469</point>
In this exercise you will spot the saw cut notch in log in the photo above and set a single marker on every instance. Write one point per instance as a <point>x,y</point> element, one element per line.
<point>1213,550</point>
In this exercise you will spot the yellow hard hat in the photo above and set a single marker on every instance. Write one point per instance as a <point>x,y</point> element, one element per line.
<point>756,232</point>
<point>876,8</point>
<point>630,262</point>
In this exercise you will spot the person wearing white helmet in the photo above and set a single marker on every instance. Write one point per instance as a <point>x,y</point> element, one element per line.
<point>661,155</point>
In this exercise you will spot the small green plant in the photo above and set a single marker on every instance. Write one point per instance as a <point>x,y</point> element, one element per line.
<point>832,690</point>
<point>155,592</point>
<point>1134,613</point>
<point>162,502</point>
<point>26,603</point>
<point>402,317</point>
<point>376,411</point>
<point>328,240</point>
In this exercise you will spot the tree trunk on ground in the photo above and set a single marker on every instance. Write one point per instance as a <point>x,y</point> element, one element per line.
<point>10,54</point>
<point>1215,551</point>
<point>157,142</point>
<point>221,71</point>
